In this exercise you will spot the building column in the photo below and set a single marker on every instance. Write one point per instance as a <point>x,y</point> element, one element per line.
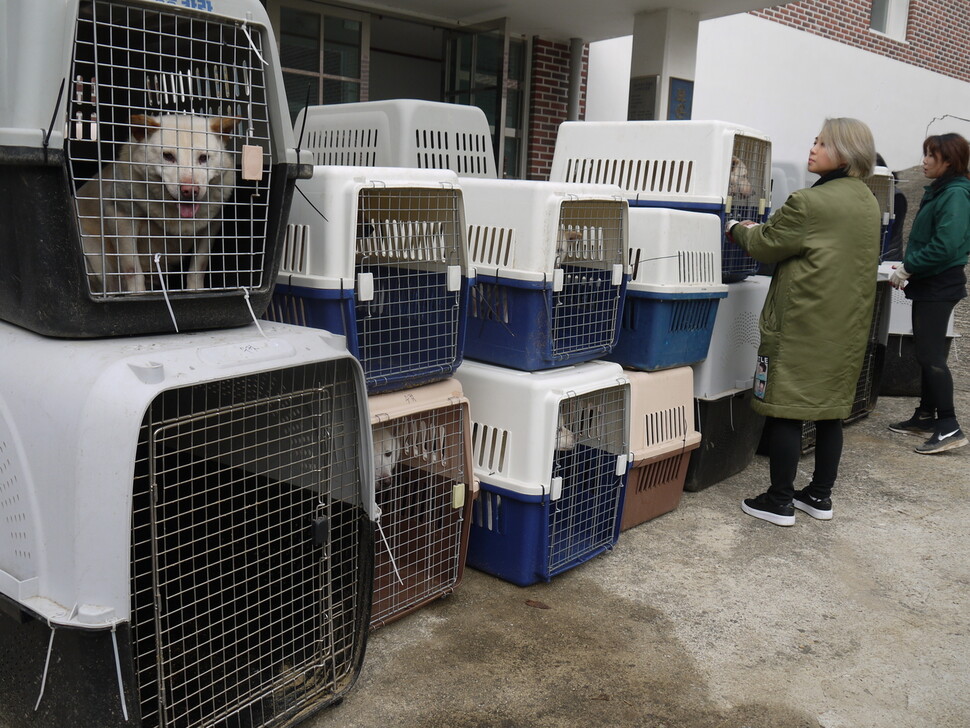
<point>662,65</point>
<point>577,64</point>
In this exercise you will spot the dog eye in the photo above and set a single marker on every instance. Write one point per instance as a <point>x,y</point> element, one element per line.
<point>203,158</point>
<point>169,157</point>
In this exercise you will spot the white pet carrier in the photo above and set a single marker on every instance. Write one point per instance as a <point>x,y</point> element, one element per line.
<point>710,166</point>
<point>674,290</point>
<point>662,437</point>
<point>424,491</point>
<point>883,186</point>
<point>206,501</point>
<point>733,353</point>
<point>400,133</point>
<point>379,254</point>
<point>551,451</point>
<point>149,159</point>
<point>550,267</point>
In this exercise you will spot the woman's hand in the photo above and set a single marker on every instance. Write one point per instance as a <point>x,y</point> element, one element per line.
<point>899,276</point>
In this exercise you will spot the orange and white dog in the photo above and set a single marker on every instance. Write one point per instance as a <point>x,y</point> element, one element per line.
<point>162,196</point>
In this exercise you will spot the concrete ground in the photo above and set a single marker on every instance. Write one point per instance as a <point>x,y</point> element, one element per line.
<point>709,618</point>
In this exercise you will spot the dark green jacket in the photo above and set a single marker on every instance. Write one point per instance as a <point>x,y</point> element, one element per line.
<point>817,315</point>
<point>940,237</point>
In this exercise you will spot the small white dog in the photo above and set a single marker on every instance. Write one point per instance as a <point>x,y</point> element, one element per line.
<point>387,451</point>
<point>163,195</point>
<point>738,183</point>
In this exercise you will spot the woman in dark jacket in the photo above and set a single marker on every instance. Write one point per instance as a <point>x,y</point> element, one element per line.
<point>933,273</point>
<point>816,318</point>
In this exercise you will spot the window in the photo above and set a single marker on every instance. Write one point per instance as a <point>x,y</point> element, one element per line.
<point>322,55</point>
<point>889,17</point>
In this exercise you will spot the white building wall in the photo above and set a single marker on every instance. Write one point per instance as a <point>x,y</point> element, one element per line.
<point>785,82</point>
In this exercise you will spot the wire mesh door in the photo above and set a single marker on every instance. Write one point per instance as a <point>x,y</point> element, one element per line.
<point>409,269</point>
<point>423,527</point>
<point>164,107</point>
<point>748,197</point>
<point>590,249</point>
<point>250,563</point>
<point>591,435</point>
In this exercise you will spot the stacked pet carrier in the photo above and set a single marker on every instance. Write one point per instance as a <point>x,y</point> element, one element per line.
<point>674,290</point>
<point>662,438</point>
<point>901,372</point>
<point>400,133</point>
<point>723,388</point>
<point>424,492</point>
<point>551,450</point>
<point>379,255</point>
<point>883,186</point>
<point>190,516</point>
<point>550,271</point>
<point>705,166</point>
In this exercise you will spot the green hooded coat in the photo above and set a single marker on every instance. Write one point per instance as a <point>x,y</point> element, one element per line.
<point>816,318</point>
<point>940,238</point>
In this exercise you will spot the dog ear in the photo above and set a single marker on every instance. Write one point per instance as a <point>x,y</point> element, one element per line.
<point>140,126</point>
<point>223,125</point>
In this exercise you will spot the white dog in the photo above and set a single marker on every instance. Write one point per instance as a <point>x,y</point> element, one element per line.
<point>387,451</point>
<point>738,183</point>
<point>163,195</point>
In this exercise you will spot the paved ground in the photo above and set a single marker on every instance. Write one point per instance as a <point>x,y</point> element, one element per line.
<point>708,618</point>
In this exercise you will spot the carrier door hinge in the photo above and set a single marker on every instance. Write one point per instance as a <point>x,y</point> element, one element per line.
<point>622,463</point>
<point>555,488</point>
<point>320,531</point>
<point>558,280</point>
<point>617,274</point>
<point>454,278</point>
<point>365,286</point>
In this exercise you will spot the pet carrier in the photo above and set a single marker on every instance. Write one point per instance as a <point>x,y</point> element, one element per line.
<point>662,437</point>
<point>730,433</point>
<point>550,271</point>
<point>901,376</point>
<point>400,133</point>
<point>674,289</point>
<point>379,255</point>
<point>145,166</point>
<point>551,450</point>
<point>708,166</point>
<point>424,491</point>
<point>731,359</point>
<point>883,186</point>
<point>192,517</point>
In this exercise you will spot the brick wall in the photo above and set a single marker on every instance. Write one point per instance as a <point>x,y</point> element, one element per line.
<point>937,33</point>
<point>549,102</point>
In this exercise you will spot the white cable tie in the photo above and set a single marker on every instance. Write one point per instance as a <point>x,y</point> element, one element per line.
<point>47,662</point>
<point>121,685</point>
<point>253,45</point>
<point>253,313</point>
<point>390,554</point>
<point>168,303</point>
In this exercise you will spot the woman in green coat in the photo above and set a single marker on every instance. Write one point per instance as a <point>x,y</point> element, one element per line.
<point>817,315</point>
<point>933,273</point>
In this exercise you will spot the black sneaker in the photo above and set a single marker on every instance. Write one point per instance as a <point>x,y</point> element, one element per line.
<point>948,437</point>
<point>761,507</point>
<point>920,424</point>
<point>820,508</point>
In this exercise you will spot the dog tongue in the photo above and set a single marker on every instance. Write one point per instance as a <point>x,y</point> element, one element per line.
<point>188,209</point>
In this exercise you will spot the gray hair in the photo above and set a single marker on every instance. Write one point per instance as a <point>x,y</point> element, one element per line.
<point>852,141</point>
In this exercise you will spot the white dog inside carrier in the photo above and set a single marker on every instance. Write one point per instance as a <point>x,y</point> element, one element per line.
<point>379,255</point>
<point>709,166</point>
<point>206,498</point>
<point>551,451</point>
<point>400,133</point>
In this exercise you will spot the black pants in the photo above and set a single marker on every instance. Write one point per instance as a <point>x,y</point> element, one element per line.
<point>930,319</point>
<point>785,450</point>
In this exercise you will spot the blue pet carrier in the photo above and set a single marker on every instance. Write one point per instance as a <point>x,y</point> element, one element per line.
<point>550,274</point>
<point>378,255</point>
<point>704,166</point>
<point>551,450</point>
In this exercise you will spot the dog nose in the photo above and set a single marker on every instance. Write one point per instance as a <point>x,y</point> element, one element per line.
<point>189,192</point>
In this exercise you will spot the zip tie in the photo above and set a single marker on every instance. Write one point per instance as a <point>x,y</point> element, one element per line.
<point>121,685</point>
<point>253,313</point>
<point>47,662</point>
<point>253,45</point>
<point>168,303</point>
<point>389,552</point>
